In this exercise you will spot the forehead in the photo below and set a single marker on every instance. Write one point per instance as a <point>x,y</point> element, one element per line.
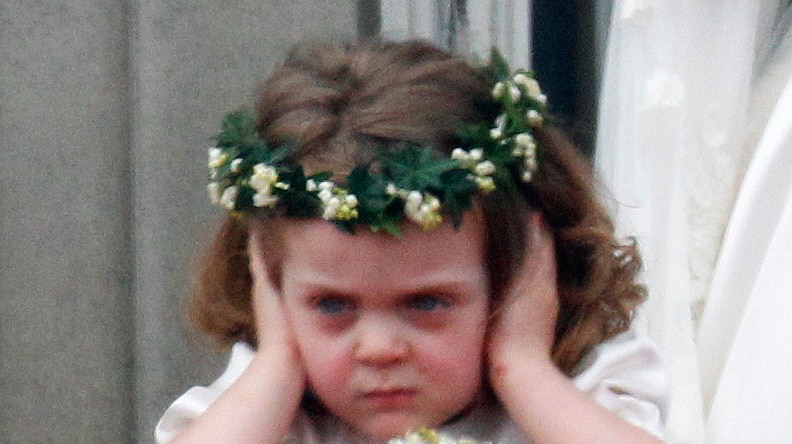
<point>319,249</point>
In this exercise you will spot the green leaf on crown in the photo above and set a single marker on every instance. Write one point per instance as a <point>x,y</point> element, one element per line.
<point>417,168</point>
<point>498,65</point>
<point>457,194</point>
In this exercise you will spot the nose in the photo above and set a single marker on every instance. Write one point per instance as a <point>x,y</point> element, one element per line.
<point>380,342</point>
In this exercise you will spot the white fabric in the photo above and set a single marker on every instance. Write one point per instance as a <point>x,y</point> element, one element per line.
<point>745,353</point>
<point>670,148</point>
<point>681,116</point>
<point>624,374</point>
<point>196,400</point>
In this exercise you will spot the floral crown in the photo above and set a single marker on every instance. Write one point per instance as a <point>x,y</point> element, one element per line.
<point>413,182</point>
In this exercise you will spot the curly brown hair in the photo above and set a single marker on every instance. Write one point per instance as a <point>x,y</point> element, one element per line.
<point>342,102</point>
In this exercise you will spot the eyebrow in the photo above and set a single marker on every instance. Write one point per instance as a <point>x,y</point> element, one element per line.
<point>439,281</point>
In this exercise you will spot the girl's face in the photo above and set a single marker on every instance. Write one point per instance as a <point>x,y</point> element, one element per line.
<point>391,332</point>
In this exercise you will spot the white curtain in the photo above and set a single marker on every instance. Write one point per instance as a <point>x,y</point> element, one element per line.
<point>745,355</point>
<point>469,26</point>
<point>675,138</point>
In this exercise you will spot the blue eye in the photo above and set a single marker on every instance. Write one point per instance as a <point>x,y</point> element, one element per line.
<point>334,306</point>
<point>428,303</point>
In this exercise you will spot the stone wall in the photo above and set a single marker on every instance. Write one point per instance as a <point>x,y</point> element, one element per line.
<point>105,112</point>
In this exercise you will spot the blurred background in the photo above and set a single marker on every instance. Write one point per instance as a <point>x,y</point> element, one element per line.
<point>107,106</point>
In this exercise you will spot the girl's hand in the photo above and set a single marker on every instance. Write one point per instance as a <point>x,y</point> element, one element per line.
<point>524,327</point>
<point>273,329</point>
<point>537,395</point>
<point>260,406</point>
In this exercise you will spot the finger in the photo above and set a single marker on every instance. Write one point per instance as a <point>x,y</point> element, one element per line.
<point>527,319</point>
<point>540,261</point>
<point>258,268</point>
<point>537,272</point>
<point>255,262</point>
<point>266,301</point>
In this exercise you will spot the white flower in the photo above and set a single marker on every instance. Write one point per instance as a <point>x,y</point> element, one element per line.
<point>500,121</point>
<point>391,189</point>
<point>228,199</point>
<point>414,199</point>
<point>534,118</point>
<point>264,200</point>
<point>432,202</point>
<point>268,172</point>
<point>337,203</point>
<point>216,157</point>
<point>325,195</point>
<point>423,209</point>
<point>500,127</point>
<point>331,208</point>
<point>541,98</point>
<point>235,165</point>
<point>476,154</point>
<point>415,438</point>
<point>530,84</point>
<point>520,78</point>
<point>264,176</point>
<point>431,436</point>
<point>498,90</point>
<point>485,168</point>
<point>459,154</point>
<point>329,213</point>
<point>527,176</point>
<point>525,141</point>
<point>263,179</point>
<point>310,185</point>
<point>214,192</point>
<point>514,92</point>
<point>485,183</point>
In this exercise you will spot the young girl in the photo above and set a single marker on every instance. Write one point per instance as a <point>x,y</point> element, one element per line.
<point>411,246</point>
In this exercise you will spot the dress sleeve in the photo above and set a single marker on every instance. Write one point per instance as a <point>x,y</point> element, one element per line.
<point>626,375</point>
<point>195,401</point>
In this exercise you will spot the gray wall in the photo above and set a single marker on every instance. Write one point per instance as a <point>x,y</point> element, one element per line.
<point>105,111</point>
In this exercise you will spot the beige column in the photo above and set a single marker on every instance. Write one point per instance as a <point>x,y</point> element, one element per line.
<point>105,112</point>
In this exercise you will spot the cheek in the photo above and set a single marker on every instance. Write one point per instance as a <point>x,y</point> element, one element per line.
<point>325,359</point>
<point>328,373</point>
<point>458,355</point>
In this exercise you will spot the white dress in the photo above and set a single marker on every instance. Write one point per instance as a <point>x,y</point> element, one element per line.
<point>624,374</point>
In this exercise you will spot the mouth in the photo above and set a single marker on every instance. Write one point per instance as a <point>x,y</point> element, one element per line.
<point>389,398</point>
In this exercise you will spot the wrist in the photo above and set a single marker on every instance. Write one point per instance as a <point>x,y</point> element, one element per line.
<point>276,365</point>
<point>518,368</point>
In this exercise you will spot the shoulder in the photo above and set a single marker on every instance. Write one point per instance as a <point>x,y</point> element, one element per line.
<point>195,401</point>
<point>627,375</point>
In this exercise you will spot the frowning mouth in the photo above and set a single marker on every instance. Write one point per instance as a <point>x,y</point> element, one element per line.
<point>389,398</point>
